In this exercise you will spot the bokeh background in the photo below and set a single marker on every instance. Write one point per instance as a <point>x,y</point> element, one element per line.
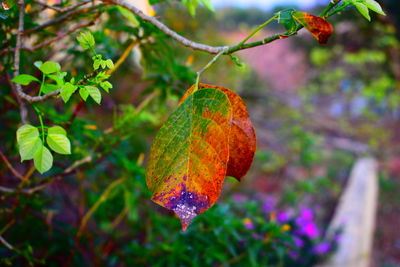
<point>316,109</point>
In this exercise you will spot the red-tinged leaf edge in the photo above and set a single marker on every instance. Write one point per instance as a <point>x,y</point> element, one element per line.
<point>242,138</point>
<point>319,27</point>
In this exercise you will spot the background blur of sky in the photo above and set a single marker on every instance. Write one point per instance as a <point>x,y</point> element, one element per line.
<point>265,4</point>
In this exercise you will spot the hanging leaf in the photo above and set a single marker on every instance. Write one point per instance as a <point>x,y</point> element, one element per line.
<point>58,141</point>
<point>24,79</point>
<point>363,9</point>
<point>189,155</point>
<point>242,138</point>
<point>43,159</point>
<point>319,27</point>
<point>28,141</point>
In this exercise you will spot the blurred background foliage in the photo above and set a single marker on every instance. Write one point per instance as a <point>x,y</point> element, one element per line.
<point>315,109</point>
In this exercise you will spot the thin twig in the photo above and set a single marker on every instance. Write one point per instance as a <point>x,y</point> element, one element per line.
<point>61,18</point>
<point>51,40</point>
<point>5,243</point>
<point>14,171</point>
<point>23,111</point>
<point>62,9</point>
<point>124,55</point>
<point>18,88</point>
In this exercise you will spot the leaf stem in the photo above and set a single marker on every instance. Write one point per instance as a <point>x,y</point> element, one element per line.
<point>41,85</point>
<point>209,64</point>
<point>257,29</point>
<point>39,113</point>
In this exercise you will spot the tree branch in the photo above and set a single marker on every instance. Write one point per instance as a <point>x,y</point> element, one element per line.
<point>52,40</point>
<point>203,47</point>
<point>14,171</point>
<point>62,9</point>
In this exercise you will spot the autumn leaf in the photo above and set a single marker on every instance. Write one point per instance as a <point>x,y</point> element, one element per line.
<point>242,138</point>
<point>319,27</point>
<point>189,156</point>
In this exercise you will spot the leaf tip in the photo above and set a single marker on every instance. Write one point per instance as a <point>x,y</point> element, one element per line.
<point>186,213</point>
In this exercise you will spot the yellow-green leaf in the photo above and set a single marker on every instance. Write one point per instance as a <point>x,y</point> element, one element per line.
<point>58,141</point>
<point>28,141</point>
<point>43,159</point>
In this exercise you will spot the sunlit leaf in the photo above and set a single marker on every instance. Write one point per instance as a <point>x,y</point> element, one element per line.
<point>58,141</point>
<point>24,79</point>
<point>189,155</point>
<point>48,87</point>
<point>28,141</point>
<point>319,27</point>
<point>374,6</point>
<point>242,138</point>
<point>43,159</point>
<point>363,9</point>
<point>94,93</point>
<point>67,90</point>
<point>50,67</point>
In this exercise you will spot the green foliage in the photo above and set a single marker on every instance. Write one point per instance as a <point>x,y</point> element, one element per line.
<point>192,5</point>
<point>86,40</point>
<point>28,141</point>
<point>285,17</point>
<point>43,159</point>
<point>31,145</point>
<point>58,141</point>
<point>363,6</point>
<point>24,79</point>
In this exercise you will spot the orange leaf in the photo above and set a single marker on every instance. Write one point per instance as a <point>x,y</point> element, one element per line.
<point>319,27</point>
<point>189,156</point>
<point>242,138</point>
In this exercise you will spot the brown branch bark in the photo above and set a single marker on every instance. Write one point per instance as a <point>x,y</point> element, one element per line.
<point>62,9</point>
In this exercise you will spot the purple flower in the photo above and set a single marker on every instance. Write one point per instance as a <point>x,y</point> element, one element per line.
<point>282,217</point>
<point>298,241</point>
<point>248,224</point>
<point>269,204</point>
<point>322,248</point>
<point>310,230</point>
<point>306,225</point>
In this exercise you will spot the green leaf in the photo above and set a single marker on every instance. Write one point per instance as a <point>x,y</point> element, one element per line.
<point>48,87</point>
<point>58,78</point>
<point>109,63</point>
<point>58,141</point>
<point>86,40</point>
<point>285,17</point>
<point>37,64</point>
<point>106,85</point>
<point>94,93</point>
<point>374,6</point>
<point>103,64</point>
<point>25,79</point>
<point>84,93</point>
<point>43,159</point>
<point>50,67</point>
<point>67,90</point>
<point>96,64</point>
<point>26,131</point>
<point>128,15</point>
<point>363,9</point>
<point>28,141</point>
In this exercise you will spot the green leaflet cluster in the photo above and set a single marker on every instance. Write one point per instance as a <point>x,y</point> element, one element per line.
<point>31,143</point>
<point>363,6</point>
<point>31,140</point>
